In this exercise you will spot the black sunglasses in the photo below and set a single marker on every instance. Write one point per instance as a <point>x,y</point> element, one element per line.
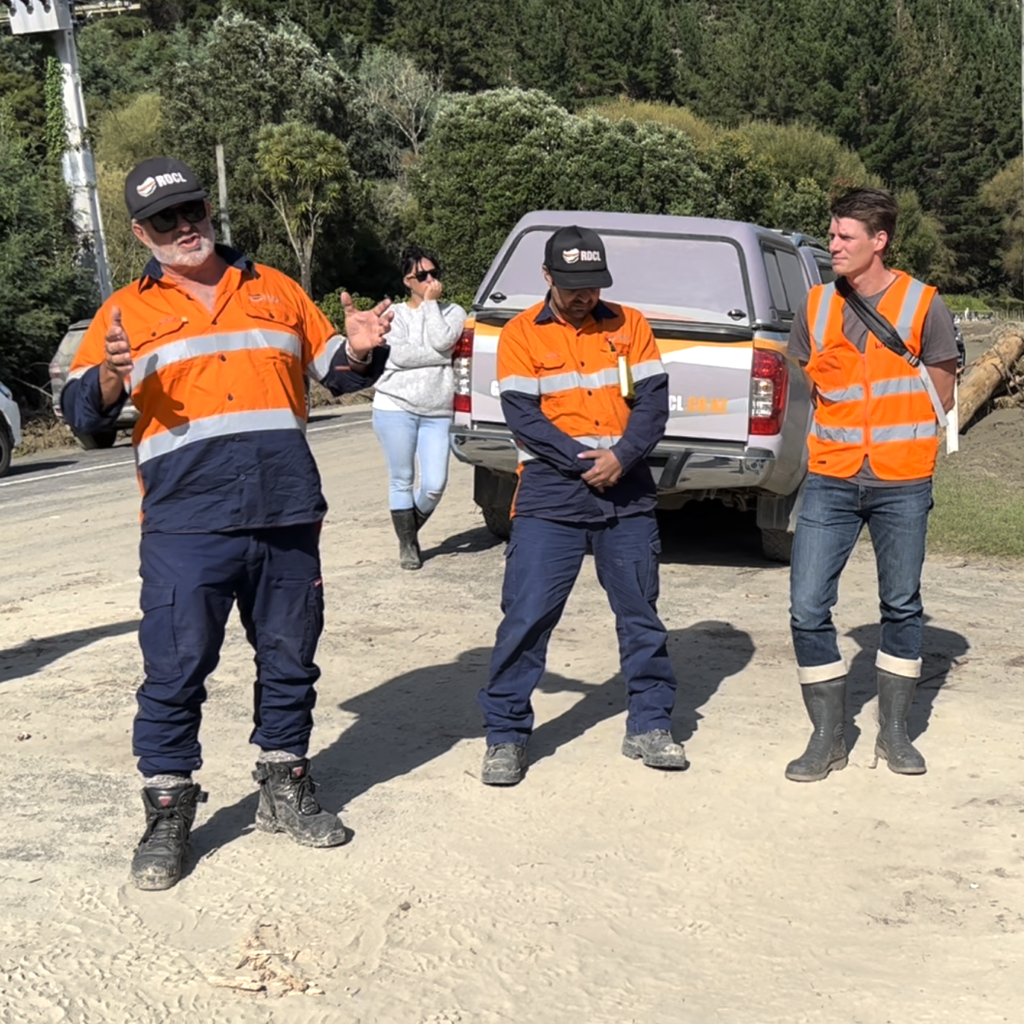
<point>422,275</point>
<point>167,220</point>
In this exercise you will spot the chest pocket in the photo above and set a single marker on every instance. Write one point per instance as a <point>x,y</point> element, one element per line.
<point>272,314</point>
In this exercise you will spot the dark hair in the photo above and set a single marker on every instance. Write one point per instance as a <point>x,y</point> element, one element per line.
<point>414,255</point>
<point>875,208</point>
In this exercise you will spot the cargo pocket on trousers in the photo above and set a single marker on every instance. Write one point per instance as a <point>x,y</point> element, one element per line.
<point>314,624</point>
<point>157,634</point>
<point>650,580</point>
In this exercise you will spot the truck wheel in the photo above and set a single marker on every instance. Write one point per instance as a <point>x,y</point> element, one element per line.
<point>101,439</point>
<point>498,520</point>
<point>493,493</point>
<point>777,545</point>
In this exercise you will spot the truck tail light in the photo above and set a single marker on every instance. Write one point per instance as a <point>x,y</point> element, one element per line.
<point>769,382</point>
<point>462,365</point>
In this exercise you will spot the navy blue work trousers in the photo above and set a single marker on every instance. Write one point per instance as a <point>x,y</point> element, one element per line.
<point>189,583</point>
<point>542,562</point>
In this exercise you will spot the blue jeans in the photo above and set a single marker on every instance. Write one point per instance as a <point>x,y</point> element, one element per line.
<point>833,514</point>
<point>408,439</point>
<point>542,562</point>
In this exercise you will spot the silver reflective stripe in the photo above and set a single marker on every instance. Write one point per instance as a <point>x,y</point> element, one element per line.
<point>328,359</point>
<point>216,426</point>
<point>905,320</point>
<point>591,440</point>
<point>842,435</point>
<point>567,381</point>
<point>211,345</point>
<point>897,386</point>
<point>648,368</point>
<point>598,440</point>
<point>75,374</point>
<point>850,394</point>
<point>904,432</point>
<point>821,320</point>
<point>523,385</point>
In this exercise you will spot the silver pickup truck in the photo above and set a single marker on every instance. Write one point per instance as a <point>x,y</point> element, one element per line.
<point>720,296</point>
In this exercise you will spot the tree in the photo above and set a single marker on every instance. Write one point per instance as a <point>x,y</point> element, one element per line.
<point>397,96</point>
<point>124,137</point>
<point>305,175</point>
<point>1003,194</point>
<point>277,75</point>
<point>42,286</point>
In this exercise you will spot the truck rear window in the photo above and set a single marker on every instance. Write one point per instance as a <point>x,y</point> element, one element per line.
<point>667,277</point>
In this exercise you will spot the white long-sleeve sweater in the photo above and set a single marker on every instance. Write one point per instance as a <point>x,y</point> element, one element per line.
<point>418,376</point>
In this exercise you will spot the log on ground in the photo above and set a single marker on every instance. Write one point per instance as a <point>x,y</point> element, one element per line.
<point>984,376</point>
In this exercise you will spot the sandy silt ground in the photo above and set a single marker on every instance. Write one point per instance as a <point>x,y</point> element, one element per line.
<point>597,891</point>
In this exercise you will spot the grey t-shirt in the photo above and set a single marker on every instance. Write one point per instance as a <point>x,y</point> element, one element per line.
<point>938,344</point>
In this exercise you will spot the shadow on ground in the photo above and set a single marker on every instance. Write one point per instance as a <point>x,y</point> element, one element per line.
<point>420,715</point>
<point>32,655</point>
<point>709,533</point>
<point>20,468</point>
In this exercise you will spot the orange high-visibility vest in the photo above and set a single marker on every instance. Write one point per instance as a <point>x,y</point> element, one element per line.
<point>870,404</point>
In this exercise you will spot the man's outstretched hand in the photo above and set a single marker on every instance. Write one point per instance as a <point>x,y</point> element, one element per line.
<point>365,330</point>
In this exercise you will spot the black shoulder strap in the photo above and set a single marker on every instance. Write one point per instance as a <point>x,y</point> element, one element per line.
<point>875,322</point>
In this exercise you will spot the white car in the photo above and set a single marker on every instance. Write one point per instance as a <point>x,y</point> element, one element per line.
<point>10,427</point>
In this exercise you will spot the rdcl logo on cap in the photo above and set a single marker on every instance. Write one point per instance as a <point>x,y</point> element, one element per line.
<point>584,255</point>
<point>150,185</point>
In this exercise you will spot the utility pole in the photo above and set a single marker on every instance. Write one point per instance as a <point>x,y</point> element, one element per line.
<point>54,18</point>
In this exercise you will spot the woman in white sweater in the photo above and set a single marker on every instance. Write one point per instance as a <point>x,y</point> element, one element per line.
<point>412,405</point>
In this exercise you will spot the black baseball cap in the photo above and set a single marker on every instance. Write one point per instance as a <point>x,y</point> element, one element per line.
<point>158,183</point>
<point>575,258</point>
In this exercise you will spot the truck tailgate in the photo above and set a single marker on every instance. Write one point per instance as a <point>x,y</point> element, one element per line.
<point>709,387</point>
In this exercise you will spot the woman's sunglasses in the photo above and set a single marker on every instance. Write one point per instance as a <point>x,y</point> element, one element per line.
<point>422,275</point>
<point>167,220</point>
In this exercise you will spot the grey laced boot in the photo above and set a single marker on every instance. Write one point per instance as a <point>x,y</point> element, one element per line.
<point>895,696</point>
<point>826,751</point>
<point>404,521</point>
<point>170,813</point>
<point>504,764</point>
<point>657,749</point>
<point>287,804</point>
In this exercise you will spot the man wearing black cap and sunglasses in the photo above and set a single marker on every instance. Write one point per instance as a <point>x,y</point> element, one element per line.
<point>585,394</point>
<point>214,350</point>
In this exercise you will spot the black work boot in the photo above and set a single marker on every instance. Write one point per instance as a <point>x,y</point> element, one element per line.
<point>287,804</point>
<point>404,521</point>
<point>895,695</point>
<point>504,764</point>
<point>170,812</point>
<point>826,751</point>
<point>420,517</point>
<point>657,749</point>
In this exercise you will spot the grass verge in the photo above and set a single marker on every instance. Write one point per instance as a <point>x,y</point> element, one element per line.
<point>976,516</point>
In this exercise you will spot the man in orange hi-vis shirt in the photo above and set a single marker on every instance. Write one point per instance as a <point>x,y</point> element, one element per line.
<point>585,395</point>
<point>214,350</point>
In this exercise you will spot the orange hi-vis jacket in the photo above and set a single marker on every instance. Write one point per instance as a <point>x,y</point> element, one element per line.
<point>870,404</point>
<point>220,440</point>
<point>561,395</point>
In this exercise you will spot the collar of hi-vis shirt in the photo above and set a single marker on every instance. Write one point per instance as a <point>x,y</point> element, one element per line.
<point>547,314</point>
<point>240,269</point>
